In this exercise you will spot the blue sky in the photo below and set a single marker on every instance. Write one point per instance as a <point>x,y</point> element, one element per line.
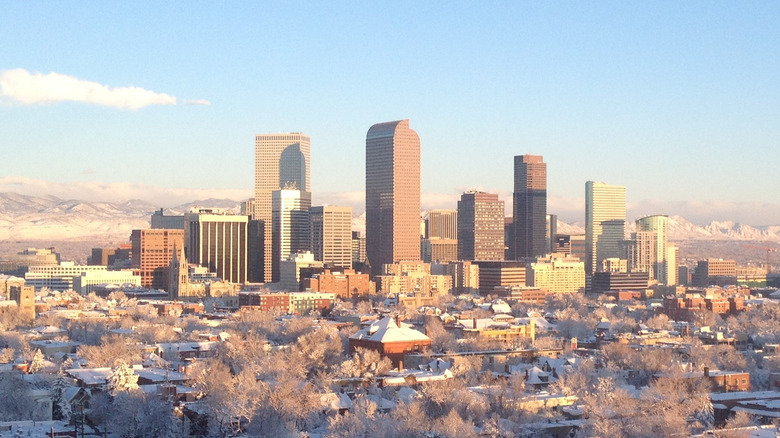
<point>678,101</point>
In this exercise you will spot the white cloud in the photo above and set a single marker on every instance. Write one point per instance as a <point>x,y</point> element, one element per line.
<point>38,88</point>
<point>197,102</point>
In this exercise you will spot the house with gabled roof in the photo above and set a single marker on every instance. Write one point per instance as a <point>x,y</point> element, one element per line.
<point>390,338</point>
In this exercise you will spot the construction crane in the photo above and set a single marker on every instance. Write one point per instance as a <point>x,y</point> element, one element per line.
<point>769,250</point>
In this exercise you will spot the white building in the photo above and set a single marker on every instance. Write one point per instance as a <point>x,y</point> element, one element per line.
<point>57,277</point>
<point>557,273</point>
<point>85,283</point>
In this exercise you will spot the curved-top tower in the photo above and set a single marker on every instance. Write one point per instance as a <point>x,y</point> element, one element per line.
<point>392,194</point>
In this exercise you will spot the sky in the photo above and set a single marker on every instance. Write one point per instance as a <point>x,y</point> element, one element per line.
<point>160,101</point>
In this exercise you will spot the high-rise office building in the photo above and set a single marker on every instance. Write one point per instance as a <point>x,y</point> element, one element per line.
<point>480,227</point>
<point>392,194</point>
<point>657,224</point>
<point>152,253</point>
<point>441,236</point>
<point>290,219</point>
<point>529,209</point>
<point>603,203</point>
<point>218,242</point>
<point>331,235</point>
<point>280,160</point>
<point>442,224</point>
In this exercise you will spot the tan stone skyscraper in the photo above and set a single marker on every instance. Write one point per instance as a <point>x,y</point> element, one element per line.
<point>392,194</point>
<point>281,160</point>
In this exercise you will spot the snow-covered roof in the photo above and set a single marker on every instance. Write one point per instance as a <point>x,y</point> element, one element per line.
<point>386,330</point>
<point>90,376</point>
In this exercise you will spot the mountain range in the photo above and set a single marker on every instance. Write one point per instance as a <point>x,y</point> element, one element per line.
<point>30,218</point>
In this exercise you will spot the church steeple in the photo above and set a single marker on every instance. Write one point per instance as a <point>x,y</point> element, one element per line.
<point>178,274</point>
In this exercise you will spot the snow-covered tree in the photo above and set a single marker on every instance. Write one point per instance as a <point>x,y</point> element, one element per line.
<point>36,364</point>
<point>61,409</point>
<point>122,379</point>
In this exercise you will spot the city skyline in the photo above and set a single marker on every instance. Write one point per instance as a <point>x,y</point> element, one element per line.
<point>676,102</point>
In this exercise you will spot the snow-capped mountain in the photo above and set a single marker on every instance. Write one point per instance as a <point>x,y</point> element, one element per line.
<point>25,218</point>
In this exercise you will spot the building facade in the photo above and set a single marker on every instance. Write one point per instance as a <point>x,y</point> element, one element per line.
<point>529,209</point>
<point>151,254</point>
<point>290,219</point>
<point>218,242</point>
<point>331,235</point>
<point>557,273</point>
<point>392,194</point>
<point>280,160</point>
<point>605,209</point>
<point>480,227</point>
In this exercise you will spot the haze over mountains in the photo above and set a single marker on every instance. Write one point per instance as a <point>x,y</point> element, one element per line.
<point>24,218</point>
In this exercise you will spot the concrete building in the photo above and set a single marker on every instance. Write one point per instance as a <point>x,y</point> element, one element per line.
<point>331,235</point>
<point>529,210</point>
<point>392,194</point>
<point>557,273</point>
<point>151,254</point>
<point>605,209</point>
<point>480,227</point>
<point>290,218</point>
<point>219,242</point>
<point>280,159</point>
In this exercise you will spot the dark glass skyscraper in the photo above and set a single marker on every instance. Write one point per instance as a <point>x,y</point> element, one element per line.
<point>529,210</point>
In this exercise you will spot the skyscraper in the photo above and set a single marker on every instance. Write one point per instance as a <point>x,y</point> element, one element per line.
<point>480,227</point>
<point>392,194</point>
<point>441,236</point>
<point>331,235</point>
<point>442,224</point>
<point>658,225</point>
<point>290,219</point>
<point>605,208</point>
<point>529,210</point>
<point>151,254</point>
<point>280,159</point>
<point>218,242</point>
